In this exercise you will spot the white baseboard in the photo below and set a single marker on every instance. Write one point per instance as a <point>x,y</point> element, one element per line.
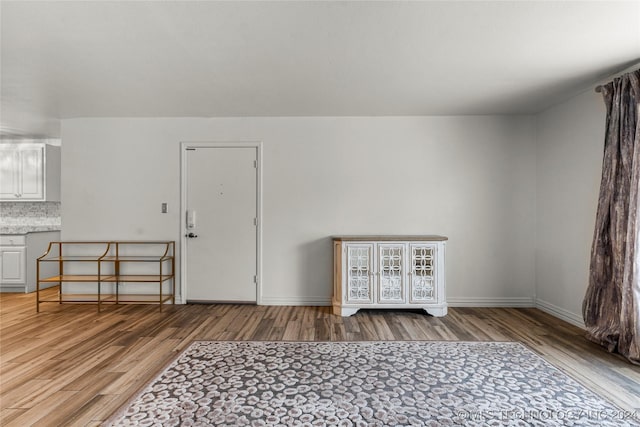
<point>561,313</point>
<point>491,302</point>
<point>13,288</point>
<point>451,302</point>
<point>296,300</point>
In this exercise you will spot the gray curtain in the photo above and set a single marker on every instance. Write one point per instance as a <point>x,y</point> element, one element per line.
<point>611,308</point>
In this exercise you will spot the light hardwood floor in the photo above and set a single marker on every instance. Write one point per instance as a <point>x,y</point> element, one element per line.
<point>69,365</point>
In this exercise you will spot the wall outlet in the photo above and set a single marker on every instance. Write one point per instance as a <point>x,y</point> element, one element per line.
<point>165,207</point>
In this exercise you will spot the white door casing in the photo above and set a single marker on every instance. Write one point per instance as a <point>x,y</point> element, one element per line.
<point>221,184</point>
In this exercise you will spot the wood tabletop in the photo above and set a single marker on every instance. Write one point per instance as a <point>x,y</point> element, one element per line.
<point>389,238</point>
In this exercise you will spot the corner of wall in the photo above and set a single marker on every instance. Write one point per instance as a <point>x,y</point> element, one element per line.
<point>568,140</point>
<point>560,313</point>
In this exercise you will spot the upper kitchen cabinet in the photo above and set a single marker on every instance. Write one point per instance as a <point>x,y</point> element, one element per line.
<point>29,172</point>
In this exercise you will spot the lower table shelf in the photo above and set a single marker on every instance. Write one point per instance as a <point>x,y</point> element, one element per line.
<point>111,298</point>
<point>139,299</point>
<point>78,278</point>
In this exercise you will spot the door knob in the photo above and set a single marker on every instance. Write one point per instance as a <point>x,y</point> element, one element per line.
<point>191,235</point>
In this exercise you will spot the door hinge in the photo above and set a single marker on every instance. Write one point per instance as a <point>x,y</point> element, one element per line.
<point>255,221</point>
<point>255,164</point>
<point>255,279</point>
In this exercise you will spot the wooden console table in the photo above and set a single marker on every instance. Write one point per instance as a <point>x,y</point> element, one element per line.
<point>115,263</point>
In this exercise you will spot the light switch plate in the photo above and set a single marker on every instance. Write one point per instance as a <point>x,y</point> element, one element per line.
<point>165,207</point>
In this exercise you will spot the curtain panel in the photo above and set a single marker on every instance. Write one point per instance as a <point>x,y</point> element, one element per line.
<point>611,308</point>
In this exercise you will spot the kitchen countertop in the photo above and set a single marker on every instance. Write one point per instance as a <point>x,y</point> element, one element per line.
<point>24,229</point>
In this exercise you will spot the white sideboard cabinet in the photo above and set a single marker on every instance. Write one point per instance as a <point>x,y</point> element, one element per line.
<point>29,172</point>
<point>389,272</point>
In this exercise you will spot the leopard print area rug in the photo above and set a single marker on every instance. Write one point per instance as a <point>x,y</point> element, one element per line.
<point>387,383</point>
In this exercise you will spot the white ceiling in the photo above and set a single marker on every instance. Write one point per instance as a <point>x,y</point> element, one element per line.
<point>206,59</point>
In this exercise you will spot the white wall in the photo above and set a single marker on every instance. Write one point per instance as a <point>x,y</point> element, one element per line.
<point>570,141</point>
<point>469,178</point>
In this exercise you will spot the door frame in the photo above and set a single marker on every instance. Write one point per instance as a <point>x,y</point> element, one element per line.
<point>183,208</point>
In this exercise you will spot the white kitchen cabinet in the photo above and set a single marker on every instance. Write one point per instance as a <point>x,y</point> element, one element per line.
<point>13,272</point>
<point>18,255</point>
<point>29,172</point>
<point>389,272</point>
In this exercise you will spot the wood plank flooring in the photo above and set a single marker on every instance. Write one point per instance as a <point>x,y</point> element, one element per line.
<point>72,366</point>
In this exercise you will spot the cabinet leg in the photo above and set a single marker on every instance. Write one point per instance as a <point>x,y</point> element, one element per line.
<point>436,311</point>
<point>344,311</point>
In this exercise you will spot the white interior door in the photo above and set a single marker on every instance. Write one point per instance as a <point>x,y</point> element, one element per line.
<point>221,202</point>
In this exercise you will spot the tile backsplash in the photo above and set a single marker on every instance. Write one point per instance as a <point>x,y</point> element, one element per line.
<point>30,213</point>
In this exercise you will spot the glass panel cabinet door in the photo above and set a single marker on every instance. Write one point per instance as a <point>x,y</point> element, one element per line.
<point>391,273</point>
<point>422,279</point>
<point>359,273</point>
